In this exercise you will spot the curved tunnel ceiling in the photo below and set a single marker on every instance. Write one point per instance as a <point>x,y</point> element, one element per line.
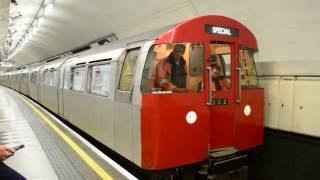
<point>292,24</point>
<point>73,23</point>
<point>4,22</point>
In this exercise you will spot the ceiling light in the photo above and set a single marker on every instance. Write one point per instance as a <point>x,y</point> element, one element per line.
<point>35,29</point>
<point>40,21</point>
<point>48,9</point>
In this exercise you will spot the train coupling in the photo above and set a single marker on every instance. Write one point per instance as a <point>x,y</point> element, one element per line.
<point>228,167</point>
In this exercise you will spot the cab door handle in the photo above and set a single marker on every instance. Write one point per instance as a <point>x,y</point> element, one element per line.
<point>238,99</point>
<point>210,86</point>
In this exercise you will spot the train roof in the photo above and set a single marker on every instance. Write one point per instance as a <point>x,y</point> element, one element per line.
<point>188,31</point>
<point>197,29</point>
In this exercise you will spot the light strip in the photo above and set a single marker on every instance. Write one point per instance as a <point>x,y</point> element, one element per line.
<point>38,19</point>
<point>48,9</point>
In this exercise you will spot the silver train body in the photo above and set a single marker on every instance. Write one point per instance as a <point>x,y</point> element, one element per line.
<point>112,116</point>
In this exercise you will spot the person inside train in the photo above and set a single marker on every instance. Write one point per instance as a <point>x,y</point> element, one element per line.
<point>5,171</point>
<point>171,71</point>
<point>218,81</point>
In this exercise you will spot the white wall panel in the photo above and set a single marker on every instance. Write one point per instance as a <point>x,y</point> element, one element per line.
<point>306,114</point>
<point>286,102</point>
<point>300,112</point>
<point>284,29</point>
<point>272,101</point>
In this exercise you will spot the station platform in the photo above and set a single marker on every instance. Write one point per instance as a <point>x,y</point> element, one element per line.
<point>52,150</point>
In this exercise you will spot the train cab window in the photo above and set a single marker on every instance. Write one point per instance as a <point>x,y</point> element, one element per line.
<point>77,78</point>
<point>99,76</point>
<point>126,78</point>
<point>162,74</point>
<point>248,69</point>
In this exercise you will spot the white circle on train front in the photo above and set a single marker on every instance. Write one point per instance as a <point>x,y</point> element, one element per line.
<point>247,110</point>
<point>191,117</point>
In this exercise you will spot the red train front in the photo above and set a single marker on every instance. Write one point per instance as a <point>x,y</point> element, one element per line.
<point>187,124</point>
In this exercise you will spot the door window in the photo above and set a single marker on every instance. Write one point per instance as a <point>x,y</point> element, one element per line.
<point>220,62</point>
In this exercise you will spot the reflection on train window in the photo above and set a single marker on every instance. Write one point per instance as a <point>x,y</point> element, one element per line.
<point>248,69</point>
<point>33,78</point>
<point>160,74</point>
<point>100,79</point>
<point>126,78</point>
<point>77,78</point>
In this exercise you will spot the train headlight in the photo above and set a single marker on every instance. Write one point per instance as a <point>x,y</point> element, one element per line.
<point>247,110</point>
<point>191,117</point>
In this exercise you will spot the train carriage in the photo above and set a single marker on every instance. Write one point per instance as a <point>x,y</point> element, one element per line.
<point>16,80</point>
<point>112,93</point>
<point>34,82</point>
<point>23,83</point>
<point>48,84</point>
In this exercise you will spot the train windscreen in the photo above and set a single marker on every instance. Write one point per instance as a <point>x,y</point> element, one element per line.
<point>249,78</point>
<point>174,68</point>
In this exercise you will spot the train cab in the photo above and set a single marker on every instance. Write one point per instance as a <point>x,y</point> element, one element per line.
<point>193,120</point>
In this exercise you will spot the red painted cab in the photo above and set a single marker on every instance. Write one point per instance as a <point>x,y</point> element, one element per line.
<point>217,105</point>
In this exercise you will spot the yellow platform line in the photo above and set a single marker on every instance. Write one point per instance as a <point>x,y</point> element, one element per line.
<point>100,171</point>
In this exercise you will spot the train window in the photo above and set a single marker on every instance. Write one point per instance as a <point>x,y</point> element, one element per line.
<point>126,78</point>
<point>33,78</point>
<point>24,78</point>
<point>67,76</point>
<point>50,78</point>
<point>248,69</point>
<point>99,76</point>
<point>45,77</point>
<point>77,78</point>
<point>53,79</point>
<point>162,75</point>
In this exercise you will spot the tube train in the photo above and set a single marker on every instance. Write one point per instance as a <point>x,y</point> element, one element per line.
<point>109,92</point>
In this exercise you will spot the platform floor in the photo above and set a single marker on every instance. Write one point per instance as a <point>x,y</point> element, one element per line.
<point>52,150</point>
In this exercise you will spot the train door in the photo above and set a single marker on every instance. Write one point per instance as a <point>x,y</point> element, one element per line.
<point>221,95</point>
<point>125,113</point>
<point>234,99</point>
<point>63,83</point>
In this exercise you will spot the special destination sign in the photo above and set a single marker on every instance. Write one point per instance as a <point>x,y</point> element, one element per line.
<point>224,31</point>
